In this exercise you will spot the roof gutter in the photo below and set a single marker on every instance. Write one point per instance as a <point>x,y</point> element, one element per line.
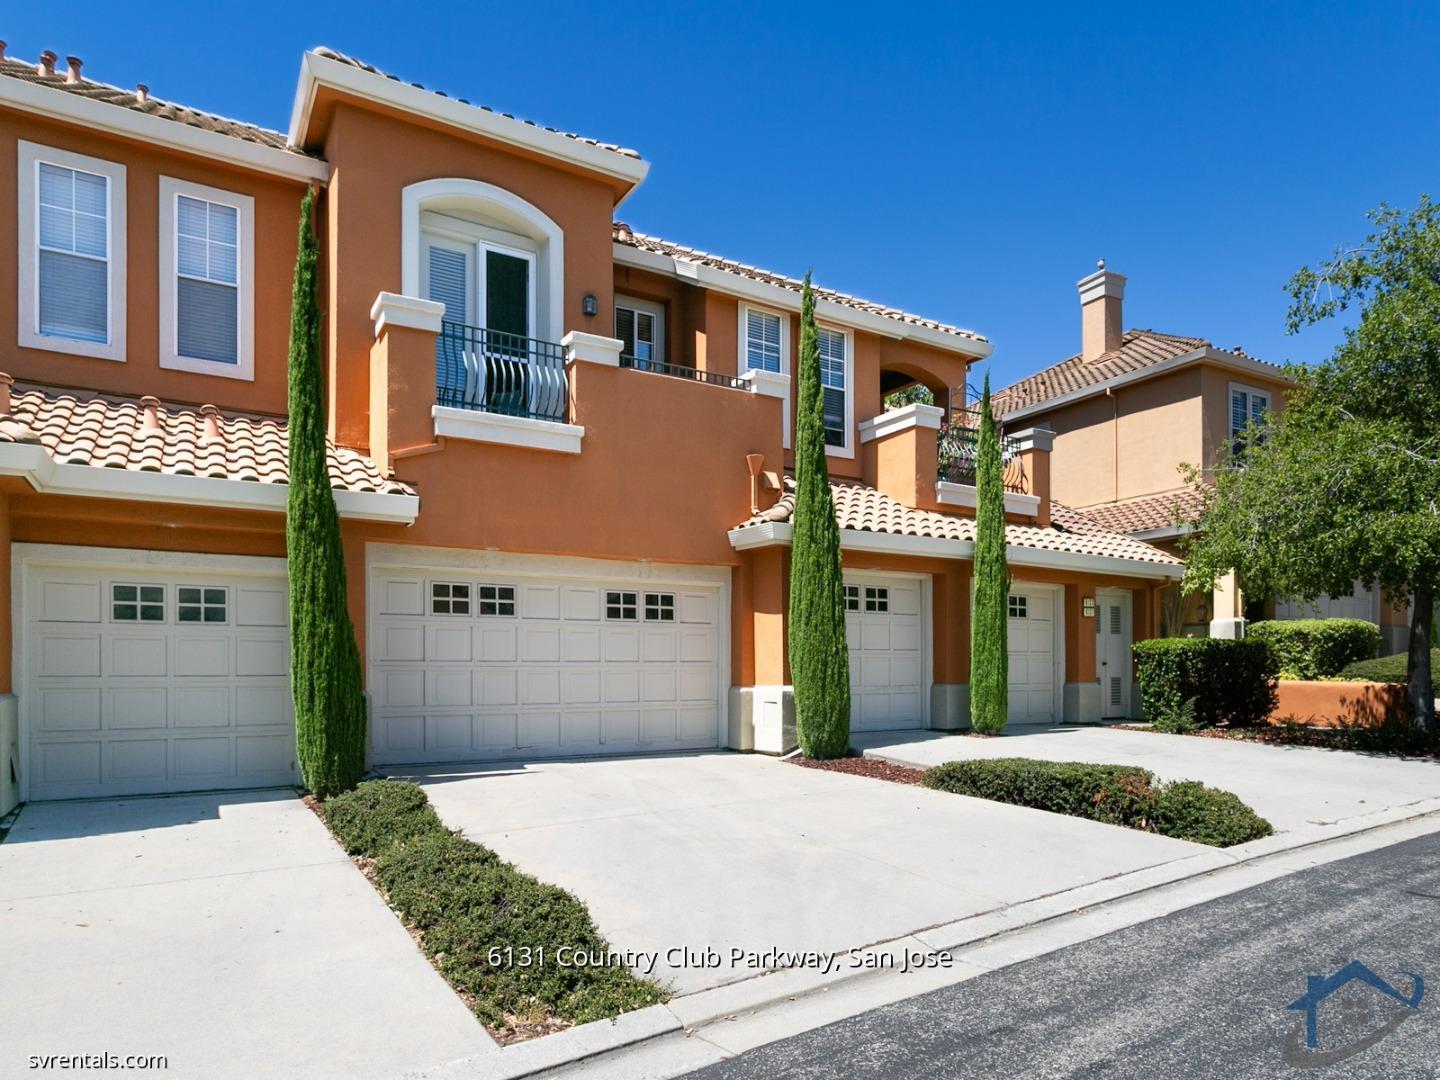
<point>45,474</point>
<point>776,296</point>
<point>128,123</point>
<point>317,71</point>
<point>1242,364</point>
<point>779,533</point>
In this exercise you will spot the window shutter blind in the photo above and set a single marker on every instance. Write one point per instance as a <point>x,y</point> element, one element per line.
<point>1239,411</point>
<point>208,320</point>
<point>73,297</point>
<point>762,340</point>
<point>625,329</point>
<point>832,381</point>
<point>449,278</point>
<point>645,335</point>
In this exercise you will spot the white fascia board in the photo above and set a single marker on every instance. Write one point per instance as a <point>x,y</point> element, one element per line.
<point>317,71</point>
<point>1098,564</point>
<point>45,474</point>
<point>1165,532</point>
<point>1244,364</point>
<point>129,123</point>
<point>761,292</point>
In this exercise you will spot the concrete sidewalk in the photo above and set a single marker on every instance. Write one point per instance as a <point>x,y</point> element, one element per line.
<point>1293,787</point>
<point>227,932</point>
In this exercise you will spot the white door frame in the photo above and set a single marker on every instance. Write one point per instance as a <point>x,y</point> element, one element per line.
<point>927,652</point>
<point>416,558</point>
<point>24,556</point>
<point>1126,599</point>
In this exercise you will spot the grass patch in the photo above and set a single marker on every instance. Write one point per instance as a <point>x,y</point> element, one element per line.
<point>1114,794</point>
<point>492,931</point>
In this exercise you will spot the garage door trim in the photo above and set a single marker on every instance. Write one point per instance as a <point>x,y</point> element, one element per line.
<point>26,559</point>
<point>419,559</point>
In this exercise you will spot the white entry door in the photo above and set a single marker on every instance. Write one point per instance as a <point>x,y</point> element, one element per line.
<point>1113,639</point>
<point>156,676</point>
<point>1031,626</point>
<point>883,628</point>
<point>472,665</point>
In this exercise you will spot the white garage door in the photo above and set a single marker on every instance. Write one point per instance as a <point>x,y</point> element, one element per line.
<point>147,679</point>
<point>883,631</point>
<point>471,667</point>
<point>1031,638</point>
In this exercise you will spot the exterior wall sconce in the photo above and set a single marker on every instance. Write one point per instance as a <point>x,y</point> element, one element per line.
<point>589,305</point>
<point>1087,607</point>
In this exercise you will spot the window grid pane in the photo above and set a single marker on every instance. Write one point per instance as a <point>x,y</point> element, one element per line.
<point>498,600</point>
<point>1019,606</point>
<point>877,599</point>
<point>201,604</point>
<point>660,607</point>
<point>852,597</point>
<point>762,341</point>
<point>449,598</point>
<point>620,605</point>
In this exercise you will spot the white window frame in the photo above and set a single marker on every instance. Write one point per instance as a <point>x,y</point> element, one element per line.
<point>244,368</point>
<point>31,156</point>
<point>645,307</point>
<point>847,448</point>
<point>742,361</point>
<point>1252,392</point>
<point>461,233</point>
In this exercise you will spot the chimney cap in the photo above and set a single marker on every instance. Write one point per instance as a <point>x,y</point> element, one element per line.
<point>1101,283</point>
<point>47,63</point>
<point>142,92</point>
<point>73,75</point>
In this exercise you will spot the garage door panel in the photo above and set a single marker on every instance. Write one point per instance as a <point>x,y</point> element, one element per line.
<point>539,644</point>
<point>540,601</point>
<point>697,607</point>
<point>450,643</point>
<point>256,606</point>
<point>697,646</point>
<point>539,729</point>
<point>404,734</point>
<point>70,762</point>
<point>581,728</point>
<point>68,709</point>
<point>135,655</point>
<point>698,684</point>
<point>580,604</point>
<point>200,760</point>
<point>199,706</point>
<point>885,634</point>
<point>497,644</point>
<point>402,688</point>
<point>496,686</point>
<point>581,688</point>
<point>658,725</point>
<point>138,759</point>
<point>77,655</point>
<point>620,728</point>
<point>262,656</point>
<point>904,600</point>
<point>875,634</point>
<point>450,732</point>
<point>262,753</point>
<point>580,644</point>
<point>539,686</point>
<point>659,646</point>
<point>400,643</point>
<point>696,724</point>
<point>69,601</point>
<point>622,645</point>
<point>138,707</point>
<point>261,705</point>
<point>450,688</point>
<point>402,596</point>
<point>622,685</point>
<point>198,657</point>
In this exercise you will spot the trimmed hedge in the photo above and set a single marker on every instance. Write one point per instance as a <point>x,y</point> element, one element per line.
<point>1391,669</point>
<point>478,915</point>
<point>1316,648</point>
<point>1114,794</point>
<point>1231,682</point>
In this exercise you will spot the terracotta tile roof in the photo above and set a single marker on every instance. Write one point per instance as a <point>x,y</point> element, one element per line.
<point>109,433</point>
<point>868,510</point>
<point>1150,512</point>
<point>624,234</point>
<point>1138,349</point>
<point>29,72</point>
<point>333,54</point>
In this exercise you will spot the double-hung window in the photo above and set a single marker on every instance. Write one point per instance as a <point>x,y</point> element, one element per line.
<point>765,346</point>
<point>834,386</point>
<point>72,253</point>
<point>1247,406</point>
<point>206,279</point>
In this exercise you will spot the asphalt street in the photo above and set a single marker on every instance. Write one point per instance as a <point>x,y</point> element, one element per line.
<point>1200,993</point>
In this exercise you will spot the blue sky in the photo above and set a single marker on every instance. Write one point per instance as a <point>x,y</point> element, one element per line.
<point>969,165</point>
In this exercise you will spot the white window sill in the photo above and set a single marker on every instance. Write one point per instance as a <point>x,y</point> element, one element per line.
<point>506,430</point>
<point>948,493</point>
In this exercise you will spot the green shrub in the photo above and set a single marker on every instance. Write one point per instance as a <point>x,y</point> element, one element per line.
<point>1391,669</point>
<point>1232,682</point>
<point>1316,648</point>
<point>484,923</point>
<point>1188,810</point>
<point>377,813</point>
<point>1114,794</point>
<point>1176,721</point>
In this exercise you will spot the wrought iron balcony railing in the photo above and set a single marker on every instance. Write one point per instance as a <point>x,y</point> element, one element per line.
<point>959,445</point>
<point>492,371</point>
<point>678,371</point>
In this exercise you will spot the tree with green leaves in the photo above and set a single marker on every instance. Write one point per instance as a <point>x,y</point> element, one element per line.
<point>819,660</point>
<point>1345,483</point>
<point>989,625</point>
<point>324,659</point>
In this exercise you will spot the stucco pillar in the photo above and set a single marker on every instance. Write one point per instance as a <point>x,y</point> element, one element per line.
<point>402,374</point>
<point>1080,699</point>
<point>950,632</point>
<point>1033,446</point>
<point>900,454</point>
<point>1228,608</point>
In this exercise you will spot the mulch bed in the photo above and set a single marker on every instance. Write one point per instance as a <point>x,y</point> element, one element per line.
<point>1360,740</point>
<point>862,766</point>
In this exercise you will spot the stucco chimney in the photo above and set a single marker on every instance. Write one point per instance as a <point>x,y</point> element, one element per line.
<point>1102,323</point>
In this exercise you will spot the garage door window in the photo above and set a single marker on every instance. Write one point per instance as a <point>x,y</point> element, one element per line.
<point>449,598</point>
<point>201,604</point>
<point>659,607</point>
<point>852,597</point>
<point>137,603</point>
<point>1019,607</point>
<point>497,600</point>
<point>877,598</point>
<point>620,606</point>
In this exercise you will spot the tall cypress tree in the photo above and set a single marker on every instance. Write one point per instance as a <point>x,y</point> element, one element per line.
<point>819,662</point>
<point>989,655</point>
<point>324,660</point>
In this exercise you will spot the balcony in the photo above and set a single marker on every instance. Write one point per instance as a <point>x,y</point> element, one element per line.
<point>959,446</point>
<point>495,372</point>
<point>678,371</point>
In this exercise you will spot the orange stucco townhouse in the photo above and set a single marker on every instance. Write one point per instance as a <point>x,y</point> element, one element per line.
<point>1133,407</point>
<point>559,449</point>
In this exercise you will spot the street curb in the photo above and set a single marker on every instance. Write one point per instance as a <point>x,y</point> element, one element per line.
<point>686,1013</point>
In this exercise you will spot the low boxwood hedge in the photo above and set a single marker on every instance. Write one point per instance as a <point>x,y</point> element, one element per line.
<point>1230,682</point>
<point>1391,669</point>
<point>491,930</point>
<point>1115,794</point>
<point>1316,648</point>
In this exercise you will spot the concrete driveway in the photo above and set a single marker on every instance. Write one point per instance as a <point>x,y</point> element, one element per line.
<point>1291,786</point>
<point>728,851</point>
<point>228,933</point>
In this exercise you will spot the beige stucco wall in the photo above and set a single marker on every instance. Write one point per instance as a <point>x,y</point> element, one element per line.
<point>1215,387</point>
